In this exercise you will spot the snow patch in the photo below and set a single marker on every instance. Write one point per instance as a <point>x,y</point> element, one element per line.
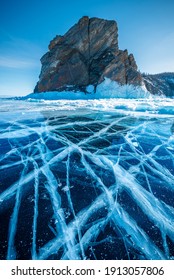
<point>54,64</point>
<point>106,90</point>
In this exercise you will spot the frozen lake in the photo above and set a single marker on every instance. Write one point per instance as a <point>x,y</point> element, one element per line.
<point>87,179</point>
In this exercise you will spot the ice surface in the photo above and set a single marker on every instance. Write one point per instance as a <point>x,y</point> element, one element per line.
<point>106,90</point>
<point>87,179</point>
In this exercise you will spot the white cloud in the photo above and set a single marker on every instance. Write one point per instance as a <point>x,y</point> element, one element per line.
<point>18,63</point>
<point>19,53</point>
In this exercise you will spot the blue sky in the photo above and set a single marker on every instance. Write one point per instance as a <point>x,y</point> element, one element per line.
<point>26,28</point>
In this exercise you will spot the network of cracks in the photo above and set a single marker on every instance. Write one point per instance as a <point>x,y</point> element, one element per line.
<point>87,185</point>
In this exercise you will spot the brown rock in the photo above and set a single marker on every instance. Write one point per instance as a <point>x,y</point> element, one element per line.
<point>86,54</point>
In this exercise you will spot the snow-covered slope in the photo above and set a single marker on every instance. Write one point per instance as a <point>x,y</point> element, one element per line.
<point>160,84</point>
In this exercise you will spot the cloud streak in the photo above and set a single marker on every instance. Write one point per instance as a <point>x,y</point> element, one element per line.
<point>17,63</point>
<point>19,53</point>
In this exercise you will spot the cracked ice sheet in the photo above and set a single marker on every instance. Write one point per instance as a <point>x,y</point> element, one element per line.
<point>87,179</point>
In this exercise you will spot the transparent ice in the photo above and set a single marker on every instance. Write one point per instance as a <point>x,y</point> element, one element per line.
<point>84,179</point>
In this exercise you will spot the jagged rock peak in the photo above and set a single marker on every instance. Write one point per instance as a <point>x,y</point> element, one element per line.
<point>85,55</point>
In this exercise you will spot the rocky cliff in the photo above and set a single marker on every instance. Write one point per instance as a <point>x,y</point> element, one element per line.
<point>86,54</point>
<point>160,84</point>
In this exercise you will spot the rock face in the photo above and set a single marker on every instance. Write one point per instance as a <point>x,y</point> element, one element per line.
<point>160,84</point>
<point>84,56</point>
